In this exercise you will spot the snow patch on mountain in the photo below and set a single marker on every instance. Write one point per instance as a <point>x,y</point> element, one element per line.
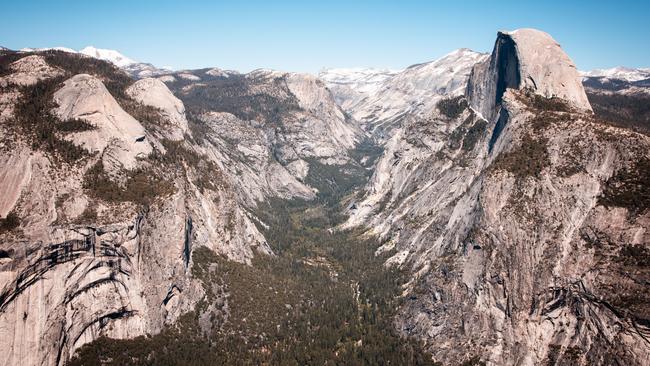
<point>364,79</point>
<point>217,72</point>
<point>64,49</point>
<point>107,55</point>
<point>188,76</point>
<point>416,88</point>
<point>136,69</point>
<point>351,85</point>
<point>619,72</point>
<point>167,79</point>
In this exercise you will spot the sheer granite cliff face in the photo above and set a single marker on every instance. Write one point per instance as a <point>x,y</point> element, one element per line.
<point>525,59</point>
<point>518,217</point>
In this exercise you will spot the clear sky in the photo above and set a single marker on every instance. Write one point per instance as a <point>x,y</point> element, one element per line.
<point>309,35</point>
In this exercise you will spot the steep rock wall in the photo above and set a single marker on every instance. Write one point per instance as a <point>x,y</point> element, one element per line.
<point>501,213</point>
<point>525,59</point>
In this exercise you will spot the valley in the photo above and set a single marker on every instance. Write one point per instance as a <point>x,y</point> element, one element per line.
<point>323,298</point>
<point>479,209</point>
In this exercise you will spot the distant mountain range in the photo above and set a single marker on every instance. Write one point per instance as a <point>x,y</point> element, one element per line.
<point>134,68</point>
<point>620,72</point>
<point>359,80</point>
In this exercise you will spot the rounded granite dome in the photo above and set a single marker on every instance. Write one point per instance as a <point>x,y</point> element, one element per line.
<point>525,59</point>
<point>545,68</point>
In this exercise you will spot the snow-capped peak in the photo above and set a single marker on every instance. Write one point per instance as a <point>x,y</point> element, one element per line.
<point>64,49</point>
<point>130,66</point>
<point>112,56</point>
<point>620,72</point>
<point>108,55</point>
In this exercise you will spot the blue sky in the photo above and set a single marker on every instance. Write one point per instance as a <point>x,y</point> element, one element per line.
<point>308,35</point>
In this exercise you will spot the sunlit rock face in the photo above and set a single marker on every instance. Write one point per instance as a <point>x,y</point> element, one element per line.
<point>383,101</point>
<point>154,93</point>
<point>91,258</point>
<point>83,265</point>
<point>508,210</point>
<point>85,97</point>
<point>525,59</point>
<point>299,105</point>
<point>28,71</point>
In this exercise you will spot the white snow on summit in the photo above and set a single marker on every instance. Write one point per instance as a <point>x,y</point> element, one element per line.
<point>134,68</point>
<point>221,73</point>
<point>103,54</point>
<point>64,49</point>
<point>620,72</point>
<point>108,55</point>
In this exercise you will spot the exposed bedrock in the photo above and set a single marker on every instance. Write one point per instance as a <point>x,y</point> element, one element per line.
<point>154,93</point>
<point>524,59</point>
<point>513,224</point>
<point>91,281</point>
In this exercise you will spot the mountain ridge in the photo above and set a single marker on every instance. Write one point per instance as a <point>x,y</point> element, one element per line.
<point>346,74</point>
